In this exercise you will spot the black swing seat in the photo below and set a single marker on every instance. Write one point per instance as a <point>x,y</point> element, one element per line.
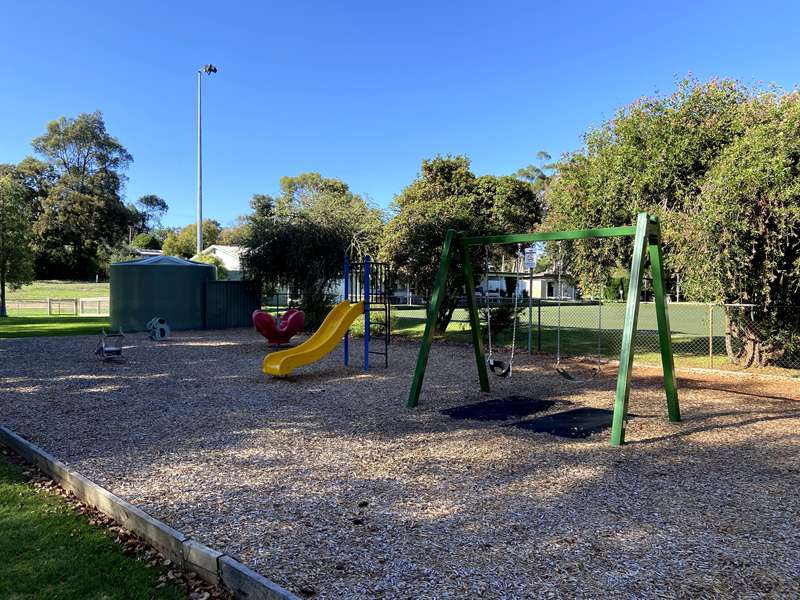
<point>570,377</point>
<point>498,367</point>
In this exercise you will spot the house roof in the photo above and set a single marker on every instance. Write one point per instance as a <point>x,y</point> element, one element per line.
<point>229,255</point>
<point>162,261</point>
<point>234,251</point>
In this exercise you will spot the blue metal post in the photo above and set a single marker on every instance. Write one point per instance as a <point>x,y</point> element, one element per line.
<point>366,312</point>
<point>346,297</point>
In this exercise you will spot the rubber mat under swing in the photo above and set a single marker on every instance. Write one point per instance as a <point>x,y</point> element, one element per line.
<point>499,409</point>
<point>576,423</point>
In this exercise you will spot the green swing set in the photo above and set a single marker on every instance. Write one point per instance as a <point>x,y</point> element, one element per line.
<point>646,236</point>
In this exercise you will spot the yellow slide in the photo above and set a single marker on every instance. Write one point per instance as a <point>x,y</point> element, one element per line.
<point>325,339</point>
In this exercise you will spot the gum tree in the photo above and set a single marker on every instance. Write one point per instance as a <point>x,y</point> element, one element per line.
<point>16,256</point>
<point>448,195</point>
<point>81,209</point>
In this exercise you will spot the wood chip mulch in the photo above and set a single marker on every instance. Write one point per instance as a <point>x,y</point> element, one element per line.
<point>325,483</point>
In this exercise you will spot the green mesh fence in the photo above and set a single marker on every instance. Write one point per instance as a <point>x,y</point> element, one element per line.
<point>698,332</point>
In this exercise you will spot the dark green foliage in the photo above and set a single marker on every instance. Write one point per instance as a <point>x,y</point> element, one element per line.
<point>652,156</point>
<point>447,195</point>
<point>148,212</point>
<point>146,241</point>
<point>16,257</point>
<point>299,240</point>
<point>748,219</point>
<point>75,195</point>
<point>502,316</point>
<point>183,243</point>
<point>720,164</point>
<point>538,176</point>
<point>222,272</point>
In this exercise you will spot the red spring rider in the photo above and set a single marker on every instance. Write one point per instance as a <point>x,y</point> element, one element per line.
<point>279,331</point>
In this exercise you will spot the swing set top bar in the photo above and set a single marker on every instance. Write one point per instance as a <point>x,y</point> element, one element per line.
<point>646,236</point>
<point>544,236</point>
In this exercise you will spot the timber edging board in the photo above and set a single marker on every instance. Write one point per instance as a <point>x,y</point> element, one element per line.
<point>212,565</point>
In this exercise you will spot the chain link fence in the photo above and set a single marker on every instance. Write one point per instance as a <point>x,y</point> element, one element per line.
<point>702,335</point>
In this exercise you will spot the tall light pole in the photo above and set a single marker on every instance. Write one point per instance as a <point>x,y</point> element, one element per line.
<point>207,69</point>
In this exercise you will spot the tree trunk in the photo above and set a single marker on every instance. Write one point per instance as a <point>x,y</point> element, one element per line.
<point>446,310</point>
<point>754,350</point>
<point>3,312</point>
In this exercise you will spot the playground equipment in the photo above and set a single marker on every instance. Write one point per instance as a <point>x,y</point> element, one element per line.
<point>109,346</point>
<point>366,290</point>
<point>496,366</point>
<point>158,328</point>
<point>279,331</point>
<point>560,367</point>
<point>646,234</point>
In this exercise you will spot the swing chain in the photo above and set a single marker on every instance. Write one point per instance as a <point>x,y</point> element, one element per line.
<point>500,368</point>
<point>488,311</point>
<point>516,304</point>
<point>559,369</point>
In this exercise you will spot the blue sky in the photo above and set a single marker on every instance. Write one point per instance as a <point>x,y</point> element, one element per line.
<point>361,91</point>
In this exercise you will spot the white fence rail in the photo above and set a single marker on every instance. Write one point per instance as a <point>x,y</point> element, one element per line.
<point>61,306</point>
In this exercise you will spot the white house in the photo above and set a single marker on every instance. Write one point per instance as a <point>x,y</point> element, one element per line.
<point>544,285</point>
<point>230,256</point>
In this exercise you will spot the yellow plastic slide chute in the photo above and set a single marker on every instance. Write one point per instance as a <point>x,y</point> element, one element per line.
<point>325,339</point>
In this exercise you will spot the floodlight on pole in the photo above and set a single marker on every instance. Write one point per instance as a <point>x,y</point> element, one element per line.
<point>207,69</point>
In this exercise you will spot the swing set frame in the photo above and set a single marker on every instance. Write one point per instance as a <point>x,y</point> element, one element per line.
<point>646,234</point>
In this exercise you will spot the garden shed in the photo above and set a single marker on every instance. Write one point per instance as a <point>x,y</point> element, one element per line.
<point>159,286</point>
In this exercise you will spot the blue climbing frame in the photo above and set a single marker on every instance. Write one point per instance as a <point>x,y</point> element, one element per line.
<point>369,282</point>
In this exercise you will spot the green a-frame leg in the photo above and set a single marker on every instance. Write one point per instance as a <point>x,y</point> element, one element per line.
<point>646,242</point>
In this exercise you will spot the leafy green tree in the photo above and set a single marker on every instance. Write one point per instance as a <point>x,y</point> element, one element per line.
<point>235,235</point>
<point>37,178</point>
<point>146,214</point>
<point>121,253</point>
<point>652,156</point>
<point>448,195</point>
<point>16,256</point>
<point>330,203</point>
<point>222,272</point>
<point>300,238</point>
<point>161,232</point>
<point>745,229</point>
<point>184,242</point>
<point>79,191</point>
<point>146,241</point>
<point>538,176</point>
<point>719,164</point>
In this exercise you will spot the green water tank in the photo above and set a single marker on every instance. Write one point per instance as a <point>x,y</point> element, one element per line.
<point>159,286</point>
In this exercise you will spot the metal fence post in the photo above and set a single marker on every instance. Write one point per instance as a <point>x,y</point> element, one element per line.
<point>346,295</point>
<point>710,336</point>
<point>539,325</point>
<point>366,296</point>
<point>530,308</point>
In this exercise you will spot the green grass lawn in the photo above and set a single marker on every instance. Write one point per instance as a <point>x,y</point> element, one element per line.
<point>59,289</point>
<point>47,551</point>
<point>30,326</point>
